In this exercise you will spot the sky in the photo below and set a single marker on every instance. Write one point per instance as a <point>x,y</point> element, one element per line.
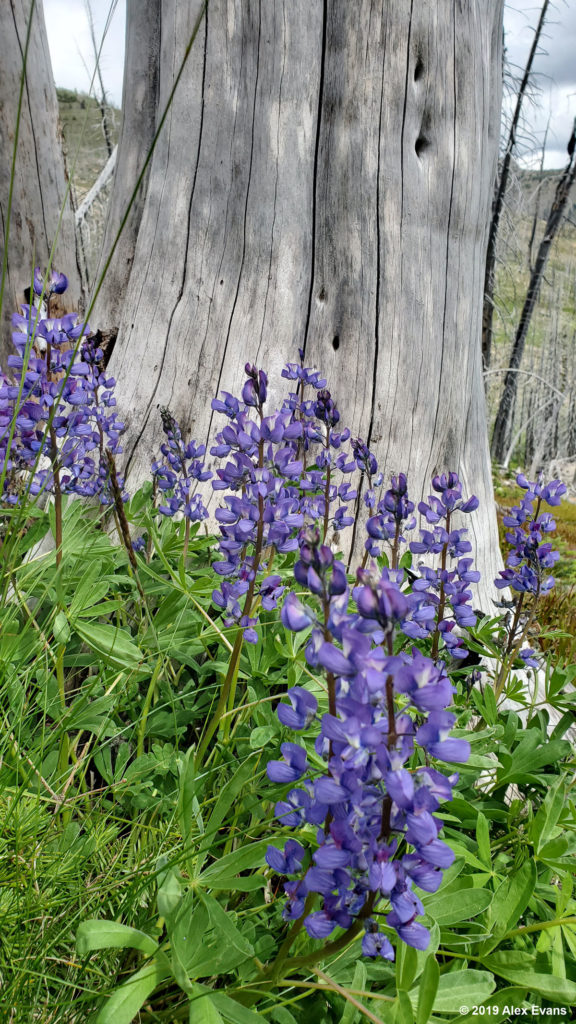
<point>551,109</point>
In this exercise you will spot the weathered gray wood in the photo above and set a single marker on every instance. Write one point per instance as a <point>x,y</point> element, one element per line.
<point>323,180</point>
<point>139,111</point>
<point>40,181</point>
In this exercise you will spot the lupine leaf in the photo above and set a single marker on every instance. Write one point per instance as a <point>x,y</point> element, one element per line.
<point>427,989</point>
<point>129,998</point>
<point>519,968</point>
<point>96,934</point>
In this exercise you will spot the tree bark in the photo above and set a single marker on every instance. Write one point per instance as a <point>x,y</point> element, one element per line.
<point>139,114</point>
<point>39,190</point>
<point>323,180</point>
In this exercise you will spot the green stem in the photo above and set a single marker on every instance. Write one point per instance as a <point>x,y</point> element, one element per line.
<point>228,691</point>
<point>395,547</point>
<point>512,649</point>
<point>146,709</point>
<point>442,601</point>
<point>186,539</point>
<point>539,926</point>
<point>326,505</point>
<point>309,959</point>
<point>64,749</point>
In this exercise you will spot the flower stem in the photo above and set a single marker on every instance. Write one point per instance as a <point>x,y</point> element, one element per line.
<point>442,600</point>
<point>228,691</point>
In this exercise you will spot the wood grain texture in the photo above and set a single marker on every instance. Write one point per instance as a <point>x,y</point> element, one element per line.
<point>40,180</point>
<point>140,109</point>
<point>323,180</point>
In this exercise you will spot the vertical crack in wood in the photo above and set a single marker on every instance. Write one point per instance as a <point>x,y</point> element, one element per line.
<point>148,411</point>
<point>223,359</point>
<point>315,172</point>
<point>376,313</point>
<point>399,285</point>
<point>35,147</point>
<point>273,229</point>
<point>404,128</point>
<point>440,396</point>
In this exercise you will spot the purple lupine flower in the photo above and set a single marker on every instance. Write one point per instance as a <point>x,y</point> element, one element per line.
<point>287,862</point>
<point>375,944</point>
<point>367,797</point>
<point>56,283</point>
<point>182,470</point>
<point>291,768</point>
<point>530,555</point>
<point>434,737</point>
<point>302,711</point>
<point>64,398</point>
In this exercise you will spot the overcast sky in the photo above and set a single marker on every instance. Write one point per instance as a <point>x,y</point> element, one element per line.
<point>555,66</point>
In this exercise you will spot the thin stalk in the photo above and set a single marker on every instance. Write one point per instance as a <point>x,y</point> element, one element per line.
<point>513,652</point>
<point>57,496</point>
<point>525,929</point>
<point>310,959</point>
<point>327,489</point>
<point>395,546</point>
<point>442,601</point>
<point>64,749</point>
<point>513,647</point>
<point>186,539</point>
<point>228,691</point>
<point>150,693</point>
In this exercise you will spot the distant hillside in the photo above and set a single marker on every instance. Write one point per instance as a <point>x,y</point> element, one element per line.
<point>532,192</point>
<point>84,142</point>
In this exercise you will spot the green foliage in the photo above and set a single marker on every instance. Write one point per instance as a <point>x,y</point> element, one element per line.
<point>134,881</point>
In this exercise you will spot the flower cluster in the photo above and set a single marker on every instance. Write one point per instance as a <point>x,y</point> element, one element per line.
<point>273,490</point>
<point>262,512</point>
<point>531,554</point>
<point>55,418</point>
<point>369,803</point>
<point>444,589</point>
<point>393,515</point>
<point>182,469</point>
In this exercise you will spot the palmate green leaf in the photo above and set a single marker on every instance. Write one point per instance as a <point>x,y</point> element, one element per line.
<point>169,890</point>
<point>61,629</point>
<point>350,1013</point>
<point>530,755</point>
<point>510,901</point>
<point>501,1004</point>
<point>129,998</point>
<point>203,1011</point>
<point>249,856</point>
<point>427,990</point>
<point>458,988</point>
<point>113,644</point>
<point>227,797</point>
<point>92,716</point>
<point>98,934</point>
<point>543,824</point>
<point>520,969</point>
<point>406,966</point>
<point>234,1012</point>
<point>90,589</point>
<point>262,735</point>
<point>187,798</point>
<point>559,852</point>
<point>403,1009</point>
<point>204,938</point>
<point>483,839</point>
<point>450,909</point>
